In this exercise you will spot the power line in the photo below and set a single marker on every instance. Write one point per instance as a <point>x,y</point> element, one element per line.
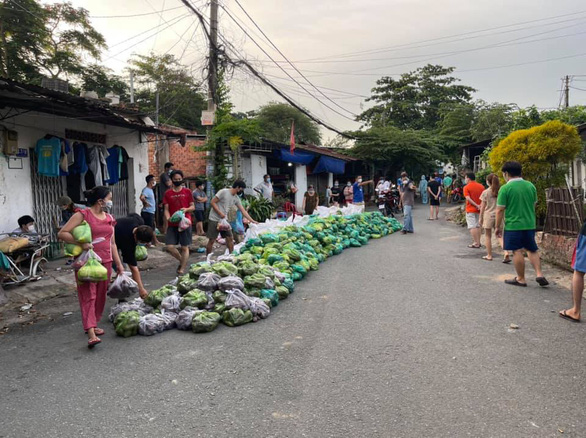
<point>290,63</point>
<point>286,72</point>
<point>142,33</point>
<point>135,15</point>
<point>243,63</point>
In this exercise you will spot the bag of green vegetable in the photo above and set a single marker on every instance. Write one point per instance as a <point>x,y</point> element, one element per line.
<point>224,269</point>
<point>185,318</point>
<point>208,281</point>
<point>248,268</point>
<point>205,322</point>
<point>283,292</point>
<point>289,284</point>
<point>219,296</point>
<point>177,216</point>
<point>92,271</point>
<point>255,281</point>
<point>73,250</point>
<point>272,295</point>
<point>219,308</point>
<point>195,298</point>
<point>141,253</point>
<point>235,317</point>
<point>197,269</point>
<point>126,323</point>
<point>185,284</point>
<point>156,296</point>
<point>82,233</point>
<point>252,292</point>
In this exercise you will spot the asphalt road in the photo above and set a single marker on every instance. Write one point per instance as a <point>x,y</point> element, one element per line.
<point>406,337</point>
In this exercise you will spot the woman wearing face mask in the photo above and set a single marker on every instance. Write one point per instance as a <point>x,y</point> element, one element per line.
<point>348,193</point>
<point>310,200</point>
<point>92,296</point>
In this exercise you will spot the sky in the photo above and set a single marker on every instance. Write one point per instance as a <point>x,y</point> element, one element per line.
<point>511,51</point>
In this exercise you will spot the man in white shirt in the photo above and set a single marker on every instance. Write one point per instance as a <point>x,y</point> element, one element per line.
<point>265,188</point>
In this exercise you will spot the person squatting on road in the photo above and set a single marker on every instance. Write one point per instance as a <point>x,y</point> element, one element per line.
<point>408,190</point>
<point>472,192</point>
<point>516,205</point>
<point>488,215</point>
<point>92,296</point>
<point>129,232</point>
<point>178,198</point>
<point>221,204</point>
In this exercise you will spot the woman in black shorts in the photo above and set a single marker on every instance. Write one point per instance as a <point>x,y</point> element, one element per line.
<point>434,188</point>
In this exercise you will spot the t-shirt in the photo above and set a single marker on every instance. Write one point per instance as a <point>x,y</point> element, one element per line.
<point>518,197</point>
<point>408,193</point>
<point>226,201</point>
<point>48,152</point>
<point>434,186</point>
<point>473,190</point>
<point>197,193</point>
<point>124,236</point>
<point>447,182</point>
<point>358,193</point>
<point>265,189</point>
<point>149,194</point>
<point>164,180</point>
<point>176,201</point>
<point>489,202</point>
<point>113,164</point>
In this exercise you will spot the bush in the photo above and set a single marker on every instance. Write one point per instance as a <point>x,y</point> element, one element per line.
<point>544,152</point>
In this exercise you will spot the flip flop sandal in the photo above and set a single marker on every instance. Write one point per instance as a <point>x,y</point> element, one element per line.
<point>474,246</point>
<point>486,258</point>
<point>542,281</point>
<point>98,332</point>
<point>564,315</point>
<point>93,342</point>
<point>514,282</point>
<point>507,261</point>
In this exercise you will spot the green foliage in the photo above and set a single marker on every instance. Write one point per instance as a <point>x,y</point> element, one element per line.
<point>543,151</point>
<point>275,121</point>
<point>393,149</point>
<point>101,80</point>
<point>259,208</point>
<point>492,120</point>
<point>180,97</point>
<point>415,100</point>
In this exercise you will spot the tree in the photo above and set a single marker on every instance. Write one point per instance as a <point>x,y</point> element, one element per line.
<point>391,149</point>
<point>275,121</point>
<point>101,80</point>
<point>416,99</point>
<point>543,151</point>
<point>181,100</point>
<point>492,120</point>
<point>22,37</point>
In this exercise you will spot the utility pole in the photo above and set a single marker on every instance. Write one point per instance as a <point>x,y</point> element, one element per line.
<point>157,108</point>
<point>131,86</point>
<point>213,89</point>
<point>567,91</point>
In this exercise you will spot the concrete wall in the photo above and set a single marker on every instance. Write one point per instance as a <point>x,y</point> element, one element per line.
<point>557,250</point>
<point>15,185</point>
<point>258,169</point>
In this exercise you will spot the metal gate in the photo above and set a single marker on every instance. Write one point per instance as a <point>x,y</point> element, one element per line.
<point>120,199</point>
<point>46,191</point>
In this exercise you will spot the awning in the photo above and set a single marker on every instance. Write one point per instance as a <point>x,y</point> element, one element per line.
<point>329,164</point>
<point>299,157</point>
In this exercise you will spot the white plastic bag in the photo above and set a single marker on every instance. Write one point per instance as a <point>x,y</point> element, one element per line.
<point>185,318</point>
<point>123,287</point>
<point>150,324</point>
<point>208,281</point>
<point>237,299</point>
<point>259,308</point>
<point>84,256</point>
<point>184,223</point>
<point>231,282</point>
<point>224,225</point>
<point>171,303</point>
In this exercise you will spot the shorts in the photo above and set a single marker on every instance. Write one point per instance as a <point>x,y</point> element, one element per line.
<point>213,232</point>
<point>198,215</point>
<point>434,202</point>
<point>473,220</point>
<point>522,239</point>
<point>360,204</point>
<point>148,218</point>
<point>176,237</point>
<point>579,257</point>
<point>489,221</point>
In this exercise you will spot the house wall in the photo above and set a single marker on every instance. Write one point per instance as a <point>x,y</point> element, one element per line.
<point>301,182</point>
<point>15,184</point>
<point>186,158</point>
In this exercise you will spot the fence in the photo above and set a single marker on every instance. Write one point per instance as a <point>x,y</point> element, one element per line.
<point>565,211</point>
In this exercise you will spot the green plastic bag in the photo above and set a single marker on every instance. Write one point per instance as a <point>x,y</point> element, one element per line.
<point>282,292</point>
<point>141,253</point>
<point>272,295</point>
<point>235,317</point>
<point>73,250</point>
<point>82,233</point>
<point>195,298</point>
<point>126,323</point>
<point>92,271</point>
<point>205,322</point>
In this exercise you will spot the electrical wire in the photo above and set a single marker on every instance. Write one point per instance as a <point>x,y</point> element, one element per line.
<point>135,15</point>
<point>289,62</point>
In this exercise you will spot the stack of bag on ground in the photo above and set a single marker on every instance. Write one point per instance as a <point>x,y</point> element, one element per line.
<point>243,288</point>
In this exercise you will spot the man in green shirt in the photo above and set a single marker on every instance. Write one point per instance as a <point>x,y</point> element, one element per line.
<point>516,203</point>
<point>448,187</point>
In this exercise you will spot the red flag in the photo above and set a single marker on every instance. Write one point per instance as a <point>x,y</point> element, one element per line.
<point>292,149</point>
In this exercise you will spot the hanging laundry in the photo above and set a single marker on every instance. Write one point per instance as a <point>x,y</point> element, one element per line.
<point>48,150</point>
<point>79,162</point>
<point>113,165</point>
<point>64,161</point>
<point>97,156</point>
<point>124,164</point>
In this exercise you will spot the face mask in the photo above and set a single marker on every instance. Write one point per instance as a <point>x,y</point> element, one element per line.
<point>32,229</point>
<point>177,183</point>
<point>268,180</point>
<point>154,185</point>
<point>349,184</point>
<point>359,180</point>
<point>336,184</point>
<point>169,171</point>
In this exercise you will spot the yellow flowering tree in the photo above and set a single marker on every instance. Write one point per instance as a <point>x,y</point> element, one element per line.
<point>545,153</point>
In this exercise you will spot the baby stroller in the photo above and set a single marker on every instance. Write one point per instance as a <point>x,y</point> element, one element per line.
<point>23,261</point>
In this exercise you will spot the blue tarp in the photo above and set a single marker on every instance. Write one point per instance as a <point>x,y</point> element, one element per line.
<point>299,157</point>
<point>329,164</point>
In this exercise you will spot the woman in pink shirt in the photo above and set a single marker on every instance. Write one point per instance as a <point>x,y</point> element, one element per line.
<point>92,296</point>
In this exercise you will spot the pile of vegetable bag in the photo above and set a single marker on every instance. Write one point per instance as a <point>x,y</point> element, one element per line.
<point>243,287</point>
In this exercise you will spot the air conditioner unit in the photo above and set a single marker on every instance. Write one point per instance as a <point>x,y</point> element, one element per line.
<point>55,84</point>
